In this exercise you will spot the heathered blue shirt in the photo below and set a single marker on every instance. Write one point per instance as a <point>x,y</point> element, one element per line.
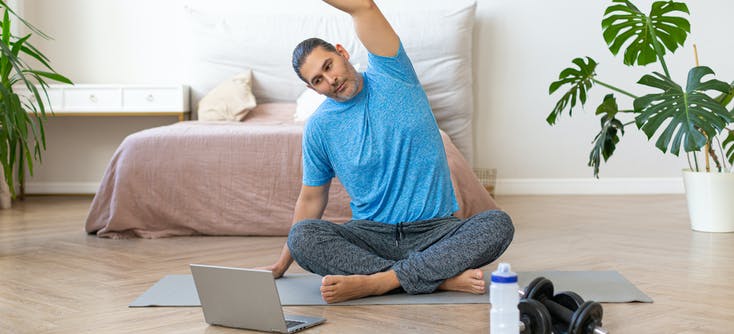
<point>384,146</point>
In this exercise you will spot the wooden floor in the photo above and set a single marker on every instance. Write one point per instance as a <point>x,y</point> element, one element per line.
<point>56,279</point>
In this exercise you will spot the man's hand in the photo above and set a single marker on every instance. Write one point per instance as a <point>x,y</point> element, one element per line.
<point>277,269</point>
<point>372,28</point>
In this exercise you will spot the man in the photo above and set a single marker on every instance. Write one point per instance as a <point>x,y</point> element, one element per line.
<point>377,134</point>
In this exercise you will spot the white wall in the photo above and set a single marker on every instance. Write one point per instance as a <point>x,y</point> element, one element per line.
<point>521,46</point>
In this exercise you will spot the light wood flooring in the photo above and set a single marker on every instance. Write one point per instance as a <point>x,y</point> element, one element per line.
<point>56,279</point>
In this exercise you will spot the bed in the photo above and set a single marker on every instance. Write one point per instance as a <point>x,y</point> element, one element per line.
<point>243,178</point>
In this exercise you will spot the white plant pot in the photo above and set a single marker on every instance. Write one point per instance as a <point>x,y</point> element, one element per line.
<point>710,200</point>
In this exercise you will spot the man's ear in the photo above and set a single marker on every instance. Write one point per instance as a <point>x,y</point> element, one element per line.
<point>342,51</point>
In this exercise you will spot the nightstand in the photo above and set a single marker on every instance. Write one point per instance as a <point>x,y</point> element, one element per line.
<point>91,100</point>
<point>117,100</point>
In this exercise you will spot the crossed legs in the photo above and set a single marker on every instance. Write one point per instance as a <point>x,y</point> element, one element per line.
<point>362,258</point>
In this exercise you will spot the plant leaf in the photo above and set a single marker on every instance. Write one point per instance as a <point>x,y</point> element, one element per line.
<point>580,79</point>
<point>692,115</point>
<point>606,140</point>
<point>3,4</point>
<point>31,51</point>
<point>6,27</point>
<point>646,37</point>
<point>51,75</point>
<point>728,145</point>
<point>608,107</point>
<point>726,98</point>
<point>22,136</point>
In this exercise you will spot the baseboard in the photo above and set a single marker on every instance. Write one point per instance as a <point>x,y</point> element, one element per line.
<point>75,188</point>
<point>590,186</point>
<point>585,186</point>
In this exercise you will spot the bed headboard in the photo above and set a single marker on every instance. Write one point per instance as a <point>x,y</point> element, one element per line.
<point>229,36</point>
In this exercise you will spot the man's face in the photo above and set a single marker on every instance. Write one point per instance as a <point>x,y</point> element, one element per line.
<point>331,74</point>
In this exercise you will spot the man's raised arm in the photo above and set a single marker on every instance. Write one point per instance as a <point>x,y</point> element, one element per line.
<point>372,28</point>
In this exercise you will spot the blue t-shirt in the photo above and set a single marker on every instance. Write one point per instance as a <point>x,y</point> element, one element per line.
<point>384,146</point>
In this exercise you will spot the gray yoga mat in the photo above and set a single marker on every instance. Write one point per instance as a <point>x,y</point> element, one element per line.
<point>303,289</point>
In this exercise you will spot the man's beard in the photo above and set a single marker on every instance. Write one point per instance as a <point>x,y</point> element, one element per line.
<point>349,91</point>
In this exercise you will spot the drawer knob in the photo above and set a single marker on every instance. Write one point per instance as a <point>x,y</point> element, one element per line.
<point>149,98</point>
<point>93,98</point>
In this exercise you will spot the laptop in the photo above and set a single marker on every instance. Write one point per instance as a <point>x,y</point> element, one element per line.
<point>244,298</point>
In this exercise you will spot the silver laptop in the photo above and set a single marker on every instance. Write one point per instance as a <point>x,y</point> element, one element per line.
<point>244,298</point>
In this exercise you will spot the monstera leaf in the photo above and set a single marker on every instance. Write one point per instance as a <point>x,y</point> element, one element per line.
<point>608,107</point>
<point>729,147</point>
<point>691,113</point>
<point>726,98</point>
<point>580,80</point>
<point>646,37</point>
<point>606,140</point>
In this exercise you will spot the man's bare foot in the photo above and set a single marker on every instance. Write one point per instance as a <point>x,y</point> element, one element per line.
<point>471,281</point>
<point>339,288</point>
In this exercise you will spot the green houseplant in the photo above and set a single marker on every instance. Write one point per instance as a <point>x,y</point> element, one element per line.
<point>694,118</point>
<point>21,118</point>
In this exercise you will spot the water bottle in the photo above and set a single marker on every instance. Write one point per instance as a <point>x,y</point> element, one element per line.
<point>503,294</point>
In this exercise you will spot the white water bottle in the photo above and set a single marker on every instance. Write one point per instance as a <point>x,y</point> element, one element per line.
<point>503,294</point>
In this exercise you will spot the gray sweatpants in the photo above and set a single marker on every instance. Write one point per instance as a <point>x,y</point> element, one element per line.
<point>423,254</point>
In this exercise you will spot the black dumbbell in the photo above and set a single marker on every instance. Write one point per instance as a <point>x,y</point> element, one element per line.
<point>571,301</point>
<point>585,318</point>
<point>534,317</point>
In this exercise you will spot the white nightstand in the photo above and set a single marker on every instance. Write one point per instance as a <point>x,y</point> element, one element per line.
<point>113,100</point>
<point>117,100</point>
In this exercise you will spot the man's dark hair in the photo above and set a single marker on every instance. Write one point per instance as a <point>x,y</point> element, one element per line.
<point>304,49</point>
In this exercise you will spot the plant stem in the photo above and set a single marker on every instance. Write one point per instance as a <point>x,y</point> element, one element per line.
<point>21,173</point>
<point>662,62</point>
<point>628,123</point>
<point>713,155</point>
<point>613,88</point>
<point>707,154</point>
<point>707,148</point>
<point>656,44</point>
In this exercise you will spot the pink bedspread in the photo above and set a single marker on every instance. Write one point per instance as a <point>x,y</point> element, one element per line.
<point>198,178</point>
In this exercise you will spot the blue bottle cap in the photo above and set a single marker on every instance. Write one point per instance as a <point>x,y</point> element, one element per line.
<point>504,274</point>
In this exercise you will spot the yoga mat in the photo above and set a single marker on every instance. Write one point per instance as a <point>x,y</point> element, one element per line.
<point>303,289</point>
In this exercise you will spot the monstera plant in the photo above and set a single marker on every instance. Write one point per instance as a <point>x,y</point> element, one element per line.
<point>22,137</point>
<point>693,118</point>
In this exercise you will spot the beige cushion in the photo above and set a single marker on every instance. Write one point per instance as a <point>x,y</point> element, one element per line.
<point>231,100</point>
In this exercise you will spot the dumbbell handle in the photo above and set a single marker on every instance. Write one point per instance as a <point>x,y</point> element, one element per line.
<point>563,312</point>
<point>597,330</point>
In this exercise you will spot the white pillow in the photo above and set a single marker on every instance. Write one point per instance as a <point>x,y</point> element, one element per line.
<point>231,100</point>
<point>306,104</point>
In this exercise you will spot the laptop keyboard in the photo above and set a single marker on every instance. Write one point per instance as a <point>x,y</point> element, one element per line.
<point>293,323</point>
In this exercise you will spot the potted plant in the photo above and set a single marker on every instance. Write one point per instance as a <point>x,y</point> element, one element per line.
<point>21,118</point>
<point>693,118</point>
